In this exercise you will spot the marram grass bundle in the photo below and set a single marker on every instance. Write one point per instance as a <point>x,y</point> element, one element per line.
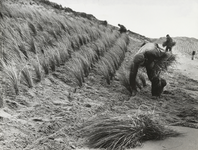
<point>163,63</point>
<point>119,134</point>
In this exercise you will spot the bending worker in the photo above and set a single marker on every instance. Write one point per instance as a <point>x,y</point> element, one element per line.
<point>146,57</point>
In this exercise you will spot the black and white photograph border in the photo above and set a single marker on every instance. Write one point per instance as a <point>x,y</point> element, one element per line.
<point>98,74</point>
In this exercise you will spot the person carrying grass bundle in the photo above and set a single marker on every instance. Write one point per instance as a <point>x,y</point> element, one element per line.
<point>152,58</point>
<point>169,43</point>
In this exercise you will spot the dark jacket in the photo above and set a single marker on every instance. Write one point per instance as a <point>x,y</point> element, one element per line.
<point>169,42</point>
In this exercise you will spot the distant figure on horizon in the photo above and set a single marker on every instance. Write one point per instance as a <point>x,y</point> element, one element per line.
<point>169,43</point>
<point>122,28</point>
<point>193,55</point>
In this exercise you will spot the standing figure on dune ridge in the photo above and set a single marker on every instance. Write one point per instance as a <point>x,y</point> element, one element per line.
<point>193,55</point>
<point>122,28</point>
<point>154,59</point>
<point>169,43</point>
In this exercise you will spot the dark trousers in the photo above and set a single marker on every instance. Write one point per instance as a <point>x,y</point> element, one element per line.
<point>168,49</point>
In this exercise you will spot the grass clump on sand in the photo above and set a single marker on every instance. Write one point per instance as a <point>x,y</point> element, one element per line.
<point>114,133</point>
<point>163,63</point>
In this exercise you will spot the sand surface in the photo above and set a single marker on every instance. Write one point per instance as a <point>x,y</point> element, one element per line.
<point>189,141</point>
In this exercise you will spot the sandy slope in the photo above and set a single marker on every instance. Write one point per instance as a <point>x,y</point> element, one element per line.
<point>186,65</point>
<point>189,68</point>
<point>188,141</point>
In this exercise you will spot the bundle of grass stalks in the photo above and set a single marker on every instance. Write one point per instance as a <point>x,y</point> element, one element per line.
<point>119,134</point>
<point>163,63</point>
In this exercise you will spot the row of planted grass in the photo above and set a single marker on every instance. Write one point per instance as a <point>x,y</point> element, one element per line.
<point>35,42</point>
<point>112,59</point>
<point>89,54</point>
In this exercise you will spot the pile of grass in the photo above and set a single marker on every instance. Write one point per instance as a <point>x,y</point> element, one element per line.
<point>115,133</point>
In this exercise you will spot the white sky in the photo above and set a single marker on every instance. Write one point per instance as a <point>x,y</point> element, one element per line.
<point>151,18</point>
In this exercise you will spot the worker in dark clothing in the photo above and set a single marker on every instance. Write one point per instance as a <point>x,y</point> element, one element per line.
<point>146,57</point>
<point>122,28</point>
<point>169,43</point>
<point>193,55</point>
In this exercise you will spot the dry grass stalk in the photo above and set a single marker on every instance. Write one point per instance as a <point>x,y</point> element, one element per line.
<point>102,69</point>
<point>12,76</point>
<point>85,63</point>
<point>37,70</point>
<point>33,46</point>
<point>45,66</point>
<point>4,58</point>
<point>23,50</point>
<point>1,97</point>
<point>52,61</point>
<point>57,58</point>
<point>27,78</point>
<point>32,27</point>
<point>76,69</point>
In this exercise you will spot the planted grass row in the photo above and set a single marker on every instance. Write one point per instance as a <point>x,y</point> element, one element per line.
<point>53,59</point>
<point>47,27</point>
<point>85,59</point>
<point>29,40</point>
<point>82,57</point>
<point>112,59</point>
